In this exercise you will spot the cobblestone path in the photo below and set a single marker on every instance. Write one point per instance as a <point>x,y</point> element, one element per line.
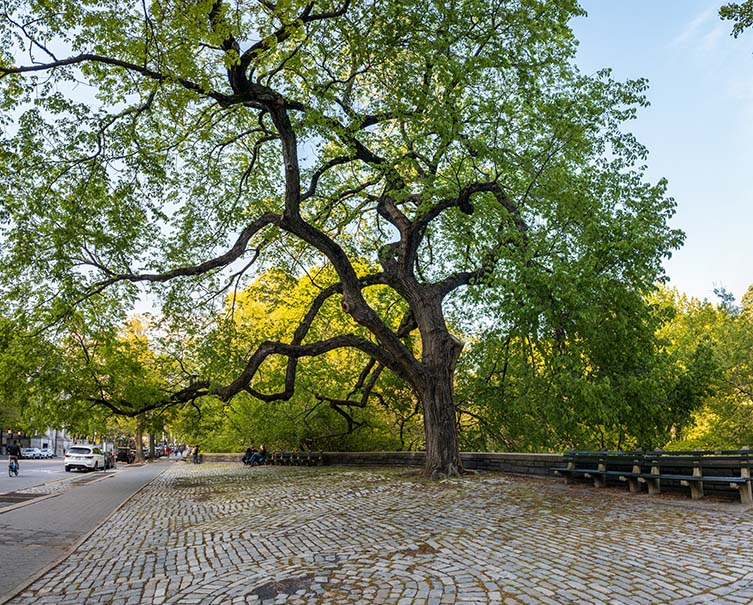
<point>226,534</point>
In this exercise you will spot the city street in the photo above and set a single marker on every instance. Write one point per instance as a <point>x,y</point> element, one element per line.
<point>33,472</point>
<point>36,533</point>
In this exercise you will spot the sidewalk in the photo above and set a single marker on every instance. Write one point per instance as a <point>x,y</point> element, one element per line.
<point>227,534</point>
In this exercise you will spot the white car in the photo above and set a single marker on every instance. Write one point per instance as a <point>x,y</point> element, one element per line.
<point>84,457</point>
<point>31,452</point>
<point>47,453</point>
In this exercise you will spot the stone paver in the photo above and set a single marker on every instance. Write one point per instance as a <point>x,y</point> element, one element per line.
<point>226,534</point>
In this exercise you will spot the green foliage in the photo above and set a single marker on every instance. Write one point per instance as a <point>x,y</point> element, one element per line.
<point>84,380</point>
<point>26,373</point>
<point>318,415</point>
<point>739,12</point>
<point>609,377</point>
<point>726,418</point>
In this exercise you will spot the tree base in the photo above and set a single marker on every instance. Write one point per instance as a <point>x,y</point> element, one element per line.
<point>436,474</point>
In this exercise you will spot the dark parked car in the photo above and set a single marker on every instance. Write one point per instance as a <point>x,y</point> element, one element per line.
<point>124,454</point>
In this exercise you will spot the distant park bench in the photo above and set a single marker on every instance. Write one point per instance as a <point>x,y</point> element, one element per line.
<point>726,469</point>
<point>296,458</point>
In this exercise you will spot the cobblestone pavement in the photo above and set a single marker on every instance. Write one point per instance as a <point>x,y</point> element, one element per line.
<point>226,534</point>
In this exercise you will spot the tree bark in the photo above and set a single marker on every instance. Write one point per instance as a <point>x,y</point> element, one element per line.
<point>440,354</point>
<point>442,453</point>
<point>139,443</point>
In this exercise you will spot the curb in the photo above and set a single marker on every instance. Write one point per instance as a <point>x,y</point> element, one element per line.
<point>14,592</point>
<point>12,507</point>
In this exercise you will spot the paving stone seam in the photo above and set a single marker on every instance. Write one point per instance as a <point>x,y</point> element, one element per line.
<point>14,592</point>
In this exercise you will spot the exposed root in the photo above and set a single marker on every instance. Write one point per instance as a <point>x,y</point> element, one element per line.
<point>452,472</point>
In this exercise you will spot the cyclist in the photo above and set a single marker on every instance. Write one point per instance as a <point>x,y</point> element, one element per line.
<point>14,452</point>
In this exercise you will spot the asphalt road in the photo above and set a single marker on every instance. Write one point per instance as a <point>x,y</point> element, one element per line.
<point>35,536</point>
<point>33,472</point>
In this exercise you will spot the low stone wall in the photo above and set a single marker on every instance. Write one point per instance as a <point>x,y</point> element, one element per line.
<point>213,457</point>
<point>522,464</point>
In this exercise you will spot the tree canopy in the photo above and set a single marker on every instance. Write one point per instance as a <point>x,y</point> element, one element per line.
<point>451,154</point>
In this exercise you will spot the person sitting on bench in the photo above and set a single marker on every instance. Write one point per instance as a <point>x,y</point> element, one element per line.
<point>250,451</point>
<point>259,457</point>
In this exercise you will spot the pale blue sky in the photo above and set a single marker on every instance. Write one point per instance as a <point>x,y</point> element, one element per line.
<point>699,128</point>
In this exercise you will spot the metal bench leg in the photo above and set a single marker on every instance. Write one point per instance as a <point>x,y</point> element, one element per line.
<point>569,479</point>
<point>746,497</point>
<point>654,485</point>
<point>746,492</point>
<point>696,490</point>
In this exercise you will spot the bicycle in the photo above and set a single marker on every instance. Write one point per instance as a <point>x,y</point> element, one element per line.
<point>13,467</point>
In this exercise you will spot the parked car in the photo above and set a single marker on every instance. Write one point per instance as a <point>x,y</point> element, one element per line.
<point>47,453</point>
<point>124,454</point>
<point>109,460</point>
<point>84,457</point>
<point>31,452</point>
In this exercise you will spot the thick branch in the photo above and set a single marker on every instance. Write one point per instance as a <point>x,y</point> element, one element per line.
<point>92,58</point>
<point>218,262</point>
<point>296,352</point>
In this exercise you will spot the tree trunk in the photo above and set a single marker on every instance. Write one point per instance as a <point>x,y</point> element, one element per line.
<point>139,443</point>
<point>440,428</point>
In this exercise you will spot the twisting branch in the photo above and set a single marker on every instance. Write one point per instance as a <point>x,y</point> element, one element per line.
<point>337,161</point>
<point>490,259</point>
<point>93,58</point>
<point>218,262</point>
<point>284,32</point>
<point>295,352</point>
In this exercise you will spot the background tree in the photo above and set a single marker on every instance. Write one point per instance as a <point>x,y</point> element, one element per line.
<point>726,418</point>
<point>26,373</point>
<point>378,413</point>
<point>455,147</point>
<point>87,379</point>
<point>618,380</point>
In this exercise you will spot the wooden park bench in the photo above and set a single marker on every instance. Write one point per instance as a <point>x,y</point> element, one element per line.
<point>727,468</point>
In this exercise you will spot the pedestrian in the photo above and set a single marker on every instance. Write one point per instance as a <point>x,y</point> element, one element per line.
<point>195,454</point>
